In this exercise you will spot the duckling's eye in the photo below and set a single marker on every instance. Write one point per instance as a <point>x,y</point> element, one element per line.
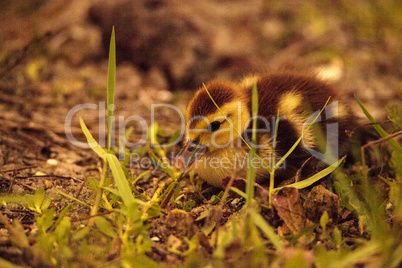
<point>214,126</point>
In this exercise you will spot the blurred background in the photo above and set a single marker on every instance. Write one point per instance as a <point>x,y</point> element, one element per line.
<point>53,54</point>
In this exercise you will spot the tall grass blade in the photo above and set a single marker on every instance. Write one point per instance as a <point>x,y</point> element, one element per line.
<point>239,192</point>
<point>117,193</point>
<point>251,168</point>
<point>188,163</point>
<point>274,142</point>
<point>111,78</point>
<point>122,184</point>
<point>114,164</point>
<point>272,172</point>
<point>102,154</point>
<point>72,198</point>
<point>92,142</point>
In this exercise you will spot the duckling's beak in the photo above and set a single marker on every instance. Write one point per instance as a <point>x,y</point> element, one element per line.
<point>189,155</point>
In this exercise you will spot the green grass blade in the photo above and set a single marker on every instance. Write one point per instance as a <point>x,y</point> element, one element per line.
<point>111,78</point>
<point>239,192</point>
<point>188,163</point>
<point>272,172</point>
<point>163,166</point>
<point>252,153</point>
<point>267,230</point>
<point>92,142</point>
<point>117,193</point>
<point>152,133</point>
<point>112,190</point>
<point>378,128</point>
<point>120,179</point>
<point>72,198</point>
<point>316,177</point>
<point>250,176</point>
<point>254,107</point>
<point>274,142</point>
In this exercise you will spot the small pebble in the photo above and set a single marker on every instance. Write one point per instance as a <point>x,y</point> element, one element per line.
<point>52,162</point>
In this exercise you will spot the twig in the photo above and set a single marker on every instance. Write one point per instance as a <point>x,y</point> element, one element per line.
<point>17,169</point>
<point>169,195</point>
<point>48,176</point>
<point>372,143</point>
<point>79,190</point>
<point>21,183</point>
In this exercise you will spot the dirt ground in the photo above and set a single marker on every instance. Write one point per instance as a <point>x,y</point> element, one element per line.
<point>53,57</point>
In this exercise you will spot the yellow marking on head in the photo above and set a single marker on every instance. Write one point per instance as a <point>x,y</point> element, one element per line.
<point>290,102</point>
<point>238,114</point>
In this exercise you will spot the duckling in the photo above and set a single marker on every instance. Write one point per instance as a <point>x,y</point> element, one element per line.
<point>222,136</point>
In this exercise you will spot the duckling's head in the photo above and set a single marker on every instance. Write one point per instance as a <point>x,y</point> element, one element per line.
<point>212,132</point>
<point>213,128</point>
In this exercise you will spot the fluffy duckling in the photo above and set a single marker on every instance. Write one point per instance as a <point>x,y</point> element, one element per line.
<point>220,136</point>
